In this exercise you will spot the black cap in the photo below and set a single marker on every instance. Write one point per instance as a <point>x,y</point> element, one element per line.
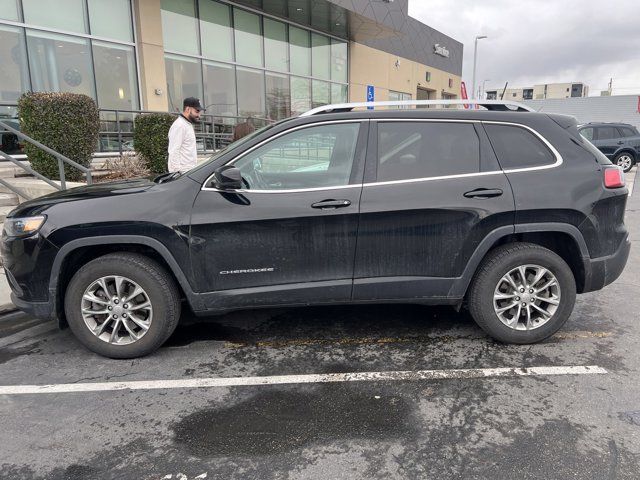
<point>192,102</point>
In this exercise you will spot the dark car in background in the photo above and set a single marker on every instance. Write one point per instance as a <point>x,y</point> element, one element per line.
<point>620,142</point>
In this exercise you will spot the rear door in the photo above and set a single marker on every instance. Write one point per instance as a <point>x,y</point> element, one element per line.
<point>433,191</point>
<point>607,140</point>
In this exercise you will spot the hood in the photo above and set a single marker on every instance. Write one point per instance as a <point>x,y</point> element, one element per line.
<point>100,190</point>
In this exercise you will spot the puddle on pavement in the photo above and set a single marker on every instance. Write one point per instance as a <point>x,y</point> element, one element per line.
<point>278,421</point>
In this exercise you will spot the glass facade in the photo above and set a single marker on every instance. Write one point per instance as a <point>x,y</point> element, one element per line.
<point>247,64</point>
<point>77,46</point>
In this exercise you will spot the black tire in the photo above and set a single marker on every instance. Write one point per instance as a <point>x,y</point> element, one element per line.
<point>148,274</point>
<point>497,264</point>
<point>625,160</point>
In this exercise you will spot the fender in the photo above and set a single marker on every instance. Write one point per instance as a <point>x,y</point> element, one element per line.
<point>156,245</point>
<point>461,284</point>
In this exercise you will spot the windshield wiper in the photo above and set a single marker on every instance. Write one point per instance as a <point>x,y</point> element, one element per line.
<point>167,177</point>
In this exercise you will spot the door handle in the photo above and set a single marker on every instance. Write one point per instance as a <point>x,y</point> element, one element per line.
<point>483,193</point>
<point>620,143</point>
<point>331,204</point>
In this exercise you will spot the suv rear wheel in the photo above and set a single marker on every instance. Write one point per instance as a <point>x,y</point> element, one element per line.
<point>122,305</point>
<point>522,293</point>
<point>624,161</point>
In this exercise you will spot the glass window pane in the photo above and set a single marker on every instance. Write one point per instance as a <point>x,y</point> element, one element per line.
<point>587,133</point>
<point>300,95</point>
<point>320,53</point>
<point>276,7</point>
<point>300,51</point>
<point>111,19</point>
<point>220,89</point>
<point>339,93</point>
<point>179,26</point>
<point>183,80</point>
<point>115,76</point>
<point>320,93</point>
<point>339,66</point>
<point>14,76</point>
<point>60,63</point>
<point>58,14</point>
<point>216,31</point>
<point>423,150</point>
<point>248,38</point>
<point>9,10</point>
<point>275,45</point>
<point>278,96</point>
<point>517,147</point>
<point>250,92</point>
<point>320,156</point>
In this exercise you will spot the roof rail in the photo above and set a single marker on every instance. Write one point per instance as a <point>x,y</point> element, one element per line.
<point>496,105</point>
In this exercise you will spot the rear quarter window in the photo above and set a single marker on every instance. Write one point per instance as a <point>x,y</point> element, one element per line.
<point>409,150</point>
<point>517,147</point>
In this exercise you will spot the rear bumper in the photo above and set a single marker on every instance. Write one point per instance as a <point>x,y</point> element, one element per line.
<point>602,271</point>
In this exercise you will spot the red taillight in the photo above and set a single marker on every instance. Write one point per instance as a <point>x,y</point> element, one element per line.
<point>613,177</point>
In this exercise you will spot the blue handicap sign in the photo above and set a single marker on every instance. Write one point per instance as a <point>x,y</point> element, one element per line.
<point>371,96</point>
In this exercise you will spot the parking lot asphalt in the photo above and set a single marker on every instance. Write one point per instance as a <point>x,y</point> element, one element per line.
<point>301,423</point>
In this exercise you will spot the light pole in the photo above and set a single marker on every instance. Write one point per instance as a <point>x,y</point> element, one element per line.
<point>475,56</point>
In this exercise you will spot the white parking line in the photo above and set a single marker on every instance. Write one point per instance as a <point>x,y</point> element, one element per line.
<point>295,379</point>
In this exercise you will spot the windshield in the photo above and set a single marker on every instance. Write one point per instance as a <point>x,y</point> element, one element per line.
<point>232,146</point>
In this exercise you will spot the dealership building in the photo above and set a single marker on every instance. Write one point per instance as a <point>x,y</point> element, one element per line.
<point>268,59</point>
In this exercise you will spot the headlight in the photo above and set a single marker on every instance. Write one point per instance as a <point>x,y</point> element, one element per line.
<point>23,227</point>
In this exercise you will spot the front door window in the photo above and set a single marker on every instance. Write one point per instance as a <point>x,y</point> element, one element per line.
<point>314,157</point>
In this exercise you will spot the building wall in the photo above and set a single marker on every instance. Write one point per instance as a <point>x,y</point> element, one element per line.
<point>616,108</point>
<point>151,55</point>
<point>388,72</point>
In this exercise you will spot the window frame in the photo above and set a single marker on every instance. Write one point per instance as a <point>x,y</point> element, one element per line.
<point>357,167</point>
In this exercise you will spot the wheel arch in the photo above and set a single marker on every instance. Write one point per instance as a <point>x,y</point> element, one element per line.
<point>563,239</point>
<point>628,150</point>
<point>80,251</point>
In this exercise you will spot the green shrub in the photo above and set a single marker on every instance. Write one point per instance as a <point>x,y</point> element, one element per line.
<point>65,122</point>
<point>151,139</point>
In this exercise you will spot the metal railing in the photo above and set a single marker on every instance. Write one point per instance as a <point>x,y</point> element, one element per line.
<point>213,131</point>
<point>61,162</point>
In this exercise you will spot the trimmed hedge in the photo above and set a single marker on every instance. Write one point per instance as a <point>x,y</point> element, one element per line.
<point>151,139</point>
<point>68,123</point>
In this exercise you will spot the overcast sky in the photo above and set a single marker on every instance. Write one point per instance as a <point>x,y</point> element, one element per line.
<point>543,41</point>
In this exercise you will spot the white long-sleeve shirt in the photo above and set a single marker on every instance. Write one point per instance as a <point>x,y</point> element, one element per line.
<point>183,154</point>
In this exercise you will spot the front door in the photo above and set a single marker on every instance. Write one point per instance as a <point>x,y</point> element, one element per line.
<point>289,235</point>
<point>433,192</point>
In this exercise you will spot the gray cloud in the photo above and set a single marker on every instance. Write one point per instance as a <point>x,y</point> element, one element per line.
<point>543,41</point>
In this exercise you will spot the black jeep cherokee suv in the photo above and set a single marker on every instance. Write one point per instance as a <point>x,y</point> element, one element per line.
<point>512,213</point>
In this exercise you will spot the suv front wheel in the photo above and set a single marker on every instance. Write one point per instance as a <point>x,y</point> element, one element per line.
<point>122,305</point>
<point>522,293</point>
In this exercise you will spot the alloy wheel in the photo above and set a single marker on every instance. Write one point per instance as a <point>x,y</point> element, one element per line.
<point>625,162</point>
<point>116,310</point>
<point>526,297</point>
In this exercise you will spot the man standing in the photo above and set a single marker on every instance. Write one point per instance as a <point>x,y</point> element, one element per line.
<point>183,155</point>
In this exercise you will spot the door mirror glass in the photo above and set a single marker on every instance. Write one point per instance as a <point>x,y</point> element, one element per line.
<point>227,178</point>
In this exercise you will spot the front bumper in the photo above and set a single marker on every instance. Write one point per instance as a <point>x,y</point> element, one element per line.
<point>602,271</point>
<point>43,310</point>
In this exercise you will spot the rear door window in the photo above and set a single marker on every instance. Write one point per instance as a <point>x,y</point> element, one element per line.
<point>410,150</point>
<point>517,147</point>
<point>607,133</point>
